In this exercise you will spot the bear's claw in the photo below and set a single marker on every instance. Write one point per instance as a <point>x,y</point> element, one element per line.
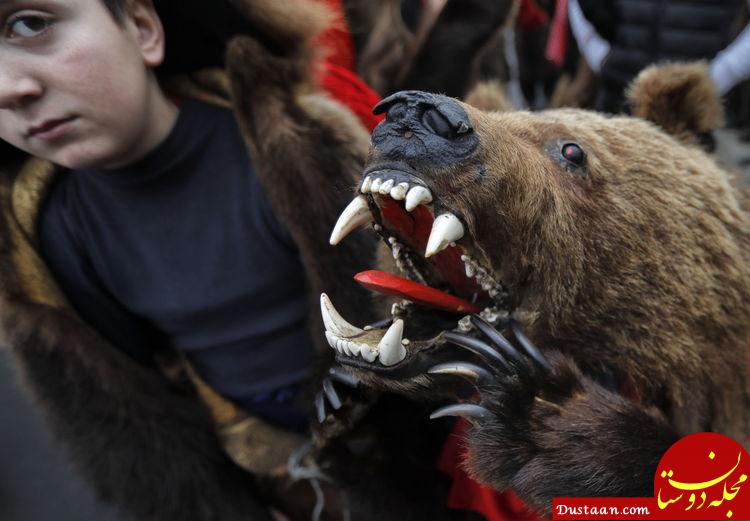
<point>472,371</point>
<point>510,360</point>
<point>329,393</point>
<point>469,411</point>
<point>478,347</point>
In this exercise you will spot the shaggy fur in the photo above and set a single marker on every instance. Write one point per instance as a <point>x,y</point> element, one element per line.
<point>679,98</point>
<point>150,440</point>
<point>445,53</point>
<point>635,265</point>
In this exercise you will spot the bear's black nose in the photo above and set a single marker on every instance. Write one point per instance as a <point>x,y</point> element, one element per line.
<point>423,127</point>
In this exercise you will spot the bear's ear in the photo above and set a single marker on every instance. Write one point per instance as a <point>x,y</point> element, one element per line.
<point>679,97</point>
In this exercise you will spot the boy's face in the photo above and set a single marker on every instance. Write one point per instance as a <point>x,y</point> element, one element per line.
<point>76,87</point>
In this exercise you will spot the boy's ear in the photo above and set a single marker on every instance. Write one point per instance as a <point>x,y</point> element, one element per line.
<point>149,31</point>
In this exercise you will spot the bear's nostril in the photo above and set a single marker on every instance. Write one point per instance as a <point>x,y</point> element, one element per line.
<point>396,113</point>
<point>436,122</point>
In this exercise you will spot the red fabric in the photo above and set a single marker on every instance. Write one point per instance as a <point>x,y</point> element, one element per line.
<point>467,494</point>
<point>337,75</point>
<point>337,39</point>
<point>531,16</point>
<point>347,88</point>
<point>557,42</point>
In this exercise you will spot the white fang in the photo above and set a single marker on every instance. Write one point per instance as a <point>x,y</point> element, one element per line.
<point>334,322</point>
<point>353,216</point>
<point>445,230</point>
<point>390,349</point>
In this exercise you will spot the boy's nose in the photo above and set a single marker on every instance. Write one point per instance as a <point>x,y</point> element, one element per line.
<point>18,92</point>
<point>423,128</point>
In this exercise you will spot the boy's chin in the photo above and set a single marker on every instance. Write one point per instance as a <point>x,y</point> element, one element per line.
<point>80,158</point>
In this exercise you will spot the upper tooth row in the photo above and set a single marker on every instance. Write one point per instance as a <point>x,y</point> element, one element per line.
<point>389,351</point>
<point>484,279</point>
<point>446,229</point>
<point>414,197</point>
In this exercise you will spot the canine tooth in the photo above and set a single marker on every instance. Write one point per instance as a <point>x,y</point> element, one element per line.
<point>390,350</point>
<point>375,186</point>
<point>398,192</point>
<point>445,230</point>
<point>416,196</point>
<point>366,185</point>
<point>385,188</point>
<point>353,216</point>
<point>334,322</point>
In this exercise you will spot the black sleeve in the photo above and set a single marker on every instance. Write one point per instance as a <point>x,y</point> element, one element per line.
<point>72,270</point>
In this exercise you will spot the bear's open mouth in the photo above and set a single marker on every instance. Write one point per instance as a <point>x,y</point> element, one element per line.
<point>442,282</point>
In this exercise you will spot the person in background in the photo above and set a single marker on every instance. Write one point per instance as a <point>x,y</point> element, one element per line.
<point>619,39</point>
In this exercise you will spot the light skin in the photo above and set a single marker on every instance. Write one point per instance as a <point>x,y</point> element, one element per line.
<point>77,87</point>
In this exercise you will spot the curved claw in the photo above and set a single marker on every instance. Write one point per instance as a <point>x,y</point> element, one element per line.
<point>331,394</point>
<point>340,375</point>
<point>320,407</point>
<point>472,371</point>
<point>529,347</point>
<point>464,410</point>
<point>478,347</point>
<point>496,337</point>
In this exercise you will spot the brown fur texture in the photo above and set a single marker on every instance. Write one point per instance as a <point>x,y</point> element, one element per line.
<point>387,47</point>
<point>629,271</point>
<point>447,52</point>
<point>489,96</point>
<point>680,98</point>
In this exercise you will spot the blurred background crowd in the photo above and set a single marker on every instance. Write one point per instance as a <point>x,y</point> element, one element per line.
<point>543,53</point>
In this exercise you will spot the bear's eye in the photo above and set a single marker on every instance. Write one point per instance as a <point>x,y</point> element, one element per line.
<point>573,153</point>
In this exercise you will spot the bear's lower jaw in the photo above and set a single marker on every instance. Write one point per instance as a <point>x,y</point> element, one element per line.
<point>430,249</point>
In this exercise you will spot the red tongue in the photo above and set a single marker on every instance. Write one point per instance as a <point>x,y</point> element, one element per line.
<point>390,284</point>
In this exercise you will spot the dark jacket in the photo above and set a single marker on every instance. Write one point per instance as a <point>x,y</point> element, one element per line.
<point>643,32</point>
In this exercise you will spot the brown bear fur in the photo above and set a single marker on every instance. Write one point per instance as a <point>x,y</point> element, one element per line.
<point>635,265</point>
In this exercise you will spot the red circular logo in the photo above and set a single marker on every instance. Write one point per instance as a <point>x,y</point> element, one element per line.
<point>704,476</point>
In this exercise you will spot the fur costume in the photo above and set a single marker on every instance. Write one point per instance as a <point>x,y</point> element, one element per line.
<point>607,262</point>
<point>161,445</point>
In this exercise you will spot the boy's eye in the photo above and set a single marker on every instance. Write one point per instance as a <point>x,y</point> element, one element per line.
<point>27,26</point>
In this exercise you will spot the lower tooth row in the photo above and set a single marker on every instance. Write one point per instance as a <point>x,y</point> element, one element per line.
<point>485,281</point>
<point>349,348</point>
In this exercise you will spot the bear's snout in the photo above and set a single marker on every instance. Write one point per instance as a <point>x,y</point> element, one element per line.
<point>425,130</point>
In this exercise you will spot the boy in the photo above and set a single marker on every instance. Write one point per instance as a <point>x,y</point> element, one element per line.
<point>160,237</point>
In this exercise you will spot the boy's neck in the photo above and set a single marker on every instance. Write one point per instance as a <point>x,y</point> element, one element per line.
<point>162,116</point>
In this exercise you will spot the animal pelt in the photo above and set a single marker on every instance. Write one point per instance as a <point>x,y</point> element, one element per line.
<point>618,250</point>
<point>441,55</point>
<point>145,437</point>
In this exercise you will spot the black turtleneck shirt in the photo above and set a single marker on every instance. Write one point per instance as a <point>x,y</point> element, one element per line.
<point>182,249</point>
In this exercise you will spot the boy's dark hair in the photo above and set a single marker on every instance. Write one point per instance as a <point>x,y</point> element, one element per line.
<point>118,8</point>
